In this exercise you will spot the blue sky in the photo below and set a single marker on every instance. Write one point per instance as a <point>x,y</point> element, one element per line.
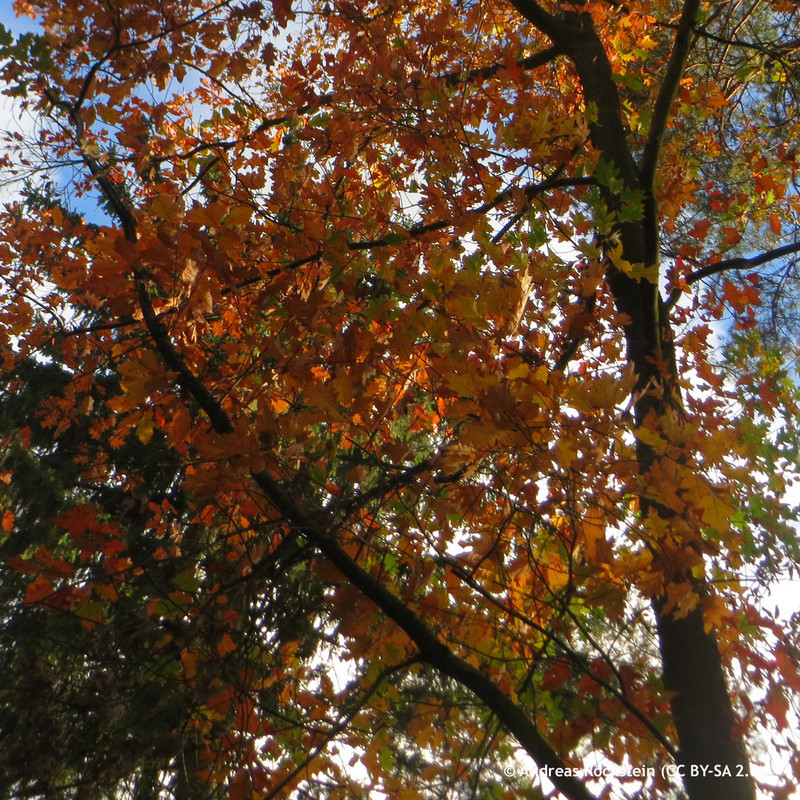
<point>10,20</point>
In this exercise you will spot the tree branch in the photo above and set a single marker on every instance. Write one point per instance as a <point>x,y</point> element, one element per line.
<point>122,322</point>
<point>667,94</point>
<point>529,192</point>
<point>774,49</point>
<point>185,378</point>
<point>540,19</point>
<point>733,264</point>
<point>658,126</point>
<point>483,73</point>
<point>430,648</point>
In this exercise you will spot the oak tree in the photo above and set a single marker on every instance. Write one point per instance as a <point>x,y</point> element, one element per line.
<point>389,405</point>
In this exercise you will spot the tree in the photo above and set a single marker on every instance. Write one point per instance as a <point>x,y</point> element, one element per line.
<point>365,356</point>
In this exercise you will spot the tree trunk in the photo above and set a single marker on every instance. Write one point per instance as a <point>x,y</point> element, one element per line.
<point>713,763</point>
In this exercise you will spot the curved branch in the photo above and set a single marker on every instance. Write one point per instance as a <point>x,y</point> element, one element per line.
<point>185,378</point>
<point>539,18</point>
<point>483,73</point>
<point>315,528</point>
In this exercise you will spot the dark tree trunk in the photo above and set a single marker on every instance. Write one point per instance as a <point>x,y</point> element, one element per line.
<point>712,761</point>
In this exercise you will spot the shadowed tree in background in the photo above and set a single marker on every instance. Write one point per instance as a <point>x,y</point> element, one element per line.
<point>363,403</point>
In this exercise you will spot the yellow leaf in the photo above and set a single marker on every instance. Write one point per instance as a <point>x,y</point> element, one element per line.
<point>647,42</point>
<point>681,599</point>
<point>606,391</point>
<point>144,430</point>
<point>659,444</point>
<point>455,456</point>
<point>521,370</point>
<point>716,512</point>
<point>558,576</point>
<point>238,215</point>
<point>594,534</point>
<point>715,613</point>
<point>165,208</point>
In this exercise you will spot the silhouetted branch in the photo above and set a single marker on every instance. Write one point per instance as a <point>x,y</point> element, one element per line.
<point>728,264</point>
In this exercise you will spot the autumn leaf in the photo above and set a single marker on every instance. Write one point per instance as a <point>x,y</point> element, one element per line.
<point>700,229</point>
<point>38,590</point>
<point>594,532</point>
<point>144,429</point>
<point>226,645</point>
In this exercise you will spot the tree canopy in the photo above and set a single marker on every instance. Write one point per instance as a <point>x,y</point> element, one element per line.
<point>398,399</point>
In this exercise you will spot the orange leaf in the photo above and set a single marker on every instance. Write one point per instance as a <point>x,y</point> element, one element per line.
<point>594,533</point>
<point>37,591</point>
<point>107,591</point>
<point>226,645</point>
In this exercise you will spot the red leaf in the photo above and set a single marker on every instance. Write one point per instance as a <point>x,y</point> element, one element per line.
<point>732,236</point>
<point>777,706</point>
<point>700,229</point>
